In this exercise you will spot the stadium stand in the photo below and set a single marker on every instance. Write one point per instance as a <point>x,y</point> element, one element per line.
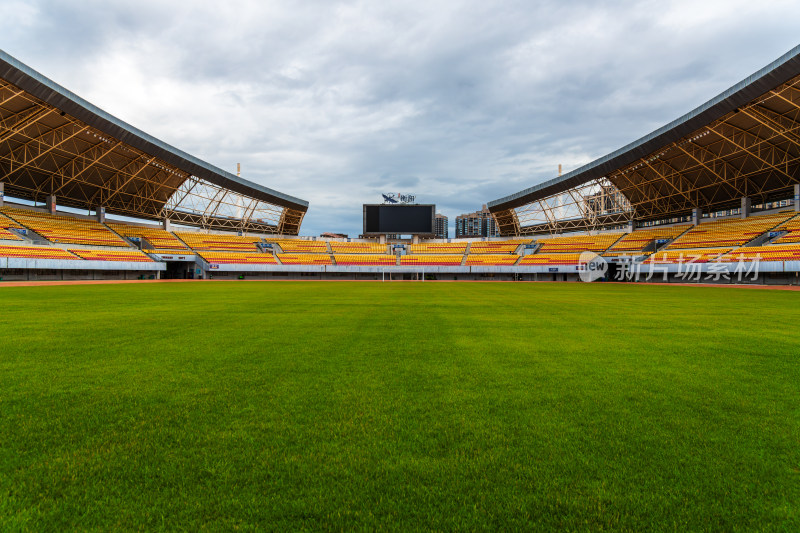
<point>728,232</point>
<point>438,248</point>
<point>357,247</point>
<point>300,246</point>
<point>304,259</point>
<point>6,235</point>
<point>179,251</point>
<point>692,255</point>
<point>496,247</point>
<point>112,255</point>
<point>579,243</point>
<point>5,229</point>
<point>637,240</point>
<point>491,259</point>
<point>218,242</point>
<point>432,260</point>
<point>159,239</point>
<point>36,252</point>
<point>787,252</point>
<point>364,259</point>
<point>65,229</point>
<point>244,258</point>
<point>550,259</point>
<point>792,226</point>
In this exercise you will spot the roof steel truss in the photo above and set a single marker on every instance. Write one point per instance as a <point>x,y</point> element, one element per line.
<point>44,151</point>
<point>753,151</point>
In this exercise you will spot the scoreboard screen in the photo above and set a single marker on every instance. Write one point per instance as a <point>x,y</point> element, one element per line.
<point>399,219</point>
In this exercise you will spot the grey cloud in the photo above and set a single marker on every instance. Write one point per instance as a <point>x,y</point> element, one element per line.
<point>461,102</point>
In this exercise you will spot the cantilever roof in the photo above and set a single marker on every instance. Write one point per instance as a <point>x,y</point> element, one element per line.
<point>46,90</point>
<point>776,73</point>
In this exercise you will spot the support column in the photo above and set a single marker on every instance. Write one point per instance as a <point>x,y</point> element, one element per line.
<point>797,197</point>
<point>746,204</point>
<point>631,226</point>
<point>51,204</point>
<point>383,239</point>
<point>101,214</point>
<point>697,216</point>
<point>2,193</point>
<point>415,239</point>
<point>167,224</point>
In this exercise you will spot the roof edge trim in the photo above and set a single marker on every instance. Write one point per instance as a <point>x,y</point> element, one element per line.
<point>779,71</point>
<point>21,75</point>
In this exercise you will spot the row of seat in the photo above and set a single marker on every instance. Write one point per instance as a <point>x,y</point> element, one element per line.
<point>52,252</point>
<point>579,243</point>
<point>357,247</point>
<point>65,229</point>
<point>112,255</point>
<point>218,242</point>
<point>364,259</point>
<point>301,246</point>
<point>639,239</point>
<point>158,238</point>
<point>8,235</point>
<point>793,228</point>
<point>238,258</point>
<point>728,232</point>
<point>6,224</point>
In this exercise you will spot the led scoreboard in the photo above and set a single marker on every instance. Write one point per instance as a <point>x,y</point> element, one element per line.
<point>399,219</point>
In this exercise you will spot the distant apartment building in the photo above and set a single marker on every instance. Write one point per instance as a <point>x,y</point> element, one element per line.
<point>477,224</point>
<point>440,226</point>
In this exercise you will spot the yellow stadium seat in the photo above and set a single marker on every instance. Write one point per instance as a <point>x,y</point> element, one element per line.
<point>578,243</point>
<point>728,232</point>
<point>431,260</point>
<point>218,242</point>
<point>112,255</point>
<point>491,259</point>
<point>243,258</point>
<point>65,229</point>
<point>364,259</point>
<point>304,259</point>
<point>36,252</point>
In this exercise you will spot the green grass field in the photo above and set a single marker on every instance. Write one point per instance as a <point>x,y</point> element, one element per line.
<point>399,406</point>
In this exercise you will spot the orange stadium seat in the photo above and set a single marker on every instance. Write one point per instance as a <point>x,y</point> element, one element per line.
<point>438,248</point>
<point>635,241</point>
<point>357,247</point>
<point>692,255</point>
<point>496,247</point>
<point>301,246</point>
<point>728,232</point>
<point>65,229</point>
<point>793,227</point>
<point>304,259</point>
<point>491,259</point>
<point>218,242</point>
<point>243,258</point>
<point>5,229</point>
<point>364,259</point>
<point>544,259</point>
<point>36,252</point>
<point>179,251</point>
<point>159,238</point>
<point>579,243</point>
<point>771,252</point>
<point>112,255</point>
<point>431,260</point>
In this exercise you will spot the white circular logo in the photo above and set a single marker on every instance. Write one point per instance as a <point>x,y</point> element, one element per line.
<point>591,266</point>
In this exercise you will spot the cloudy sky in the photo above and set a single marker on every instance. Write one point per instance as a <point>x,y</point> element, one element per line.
<point>460,102</point>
